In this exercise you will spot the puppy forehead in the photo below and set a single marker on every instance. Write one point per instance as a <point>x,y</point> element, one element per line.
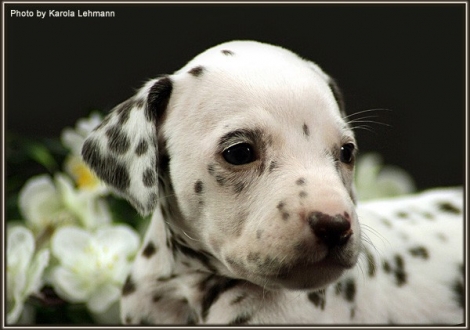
<point>255,62</point>
<point>254,81</point>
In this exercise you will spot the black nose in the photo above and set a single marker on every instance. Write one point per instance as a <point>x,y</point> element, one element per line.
<point>331,230</point>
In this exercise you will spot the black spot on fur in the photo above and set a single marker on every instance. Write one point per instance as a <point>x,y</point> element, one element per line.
<point>140,103</point>
<point>228,52</point>
<point>214,286</point>
<point>128,319</point>
<point>196,71</point>
<point>220,180</point>
<point>145,321</point>
<point>239,186</point>
<point>386,267</point>
<point>402,215</point>
<point>241,319</point>
<point>317,298</point>
<point>117,140</point>
<point>306,130</point>
<point>386,222</point>
<point>448,207</point>
<point>300,182</point>
<point>350,290</point>
<point>152,200</point>
<point>123,110</point>
<point>400,274</point>
<point>106,167</point>
<point>119,178</point>
<point>142,148</point>
<point>419,252</point>
<point>157,297</point>
<point>202,256</point>
<point>285,215</point>
<point>238,299</point>
<point>210,169</point>
<point>339,288</point>
<point>352,313</point>
<point>149,177</point>
<point>303,194</point>
<point>166,278</point>
<point>157,99</point>
<point>272,166</point>
<point>258,233</point>
<point>459,291</point>
<point>254,257</point>
<point>149,250</point>
<point>428,215</point>
<point>198,187</point>
<point>129,286</point>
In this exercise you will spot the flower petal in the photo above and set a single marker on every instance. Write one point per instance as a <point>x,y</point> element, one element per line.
<point>38,200</point>
<point>103,298</point>
<point>72,140</point>
<point>121,240</point>
<point>36,270</point>
<point>14,309</point>
<point>69,243</point>
<point>71,287</point>
<point>20,247</point>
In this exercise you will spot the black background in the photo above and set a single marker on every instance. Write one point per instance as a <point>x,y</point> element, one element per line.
<point>408,58</point>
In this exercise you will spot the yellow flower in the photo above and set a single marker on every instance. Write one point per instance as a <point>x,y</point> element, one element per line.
<point>83,176</point>
<point>73,139</point>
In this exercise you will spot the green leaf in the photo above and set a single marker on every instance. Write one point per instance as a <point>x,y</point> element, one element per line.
<point>42,155</point>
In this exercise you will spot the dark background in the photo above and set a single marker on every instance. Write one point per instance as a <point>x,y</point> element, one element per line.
<point>409,59</point>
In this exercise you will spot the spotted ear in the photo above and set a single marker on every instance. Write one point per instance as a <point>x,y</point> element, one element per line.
<point>123,149</point>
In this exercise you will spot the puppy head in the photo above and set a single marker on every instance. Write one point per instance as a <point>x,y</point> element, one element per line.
<point>250,145</point>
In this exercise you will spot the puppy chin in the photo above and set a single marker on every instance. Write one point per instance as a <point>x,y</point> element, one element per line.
<point>299,276</point>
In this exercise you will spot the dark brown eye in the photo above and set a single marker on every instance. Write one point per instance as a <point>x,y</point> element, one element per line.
<point>239,154</point>
<point>347,153</point>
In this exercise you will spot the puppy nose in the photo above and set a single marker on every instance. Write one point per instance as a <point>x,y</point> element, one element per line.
<point>331,230</point>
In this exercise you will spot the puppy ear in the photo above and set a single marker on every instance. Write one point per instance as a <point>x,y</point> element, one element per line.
<point>338,94</point>
<point>123,149</point>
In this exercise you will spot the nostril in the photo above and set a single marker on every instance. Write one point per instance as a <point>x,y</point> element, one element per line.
<point>332,230</point>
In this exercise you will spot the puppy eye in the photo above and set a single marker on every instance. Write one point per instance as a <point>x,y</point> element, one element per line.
<point>347,153</point>
<point>239,154</point>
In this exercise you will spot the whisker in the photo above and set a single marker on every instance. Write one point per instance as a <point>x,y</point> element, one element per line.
<point>364,111</point>
<point>368,121</point>
<point>365,128</point>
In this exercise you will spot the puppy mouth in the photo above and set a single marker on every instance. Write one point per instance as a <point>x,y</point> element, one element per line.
<point>312,275</point>
<point>302,273</point>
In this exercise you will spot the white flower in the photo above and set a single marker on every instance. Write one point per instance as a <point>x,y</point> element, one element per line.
<point>47,204</point>
<point>373,180</point>
<point>92,266</point>
<point>73,139</point>
<point>24,270</point>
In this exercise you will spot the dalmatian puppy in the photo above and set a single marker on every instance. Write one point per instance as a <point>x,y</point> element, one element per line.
<point>245,160</point>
